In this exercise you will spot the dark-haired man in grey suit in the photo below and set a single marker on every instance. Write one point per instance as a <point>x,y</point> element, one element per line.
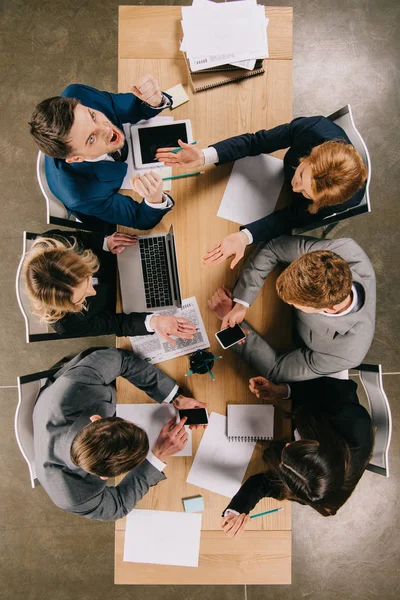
<point>79,443</point>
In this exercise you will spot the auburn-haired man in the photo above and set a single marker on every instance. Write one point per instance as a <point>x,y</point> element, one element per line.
<point>331,286</point>
<point>81,134</point>
<point>79,442</point>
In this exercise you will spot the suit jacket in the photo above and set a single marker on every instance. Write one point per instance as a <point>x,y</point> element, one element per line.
<point>300,136</point>
<point>82,388</point>
<point>100,318</point>
<point>330,344</point>
<point>92,188</point>
<point>337,401</point>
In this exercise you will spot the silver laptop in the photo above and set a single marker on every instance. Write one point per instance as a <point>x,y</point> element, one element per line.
<point>148,273</point>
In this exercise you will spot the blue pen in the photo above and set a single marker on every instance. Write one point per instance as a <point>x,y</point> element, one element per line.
<point>268,512</point>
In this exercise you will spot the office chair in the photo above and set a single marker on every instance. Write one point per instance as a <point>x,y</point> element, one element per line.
<point>57,213</point>
<point>36,329</point>
<point>344,118</point>
<point>379,409</point>
<point>28,391</point>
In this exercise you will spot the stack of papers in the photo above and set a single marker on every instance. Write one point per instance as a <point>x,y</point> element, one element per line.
<point>233,33</point>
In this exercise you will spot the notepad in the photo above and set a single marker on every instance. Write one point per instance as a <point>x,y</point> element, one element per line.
<point>152,418</point>
<point>250,422</point>
<point>161,537</point>
<point>219,465</point>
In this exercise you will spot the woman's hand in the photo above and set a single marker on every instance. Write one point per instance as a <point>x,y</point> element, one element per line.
<point>177,326</point>
<point>233,244</point>
<point>274,393</point>
<point>234,525</point>
<point>117,242</point>
<point>190,157</point>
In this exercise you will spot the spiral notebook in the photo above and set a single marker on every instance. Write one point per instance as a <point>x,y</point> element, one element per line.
<point>250,422</point>
<point>206,80</point>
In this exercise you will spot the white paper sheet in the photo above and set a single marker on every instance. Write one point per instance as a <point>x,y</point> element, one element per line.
<point>219,464</point>
<point>161,537</point>
<point>132,171</point>
<point>155,349</point>
<point>253,189</point>
<point>152,418</point>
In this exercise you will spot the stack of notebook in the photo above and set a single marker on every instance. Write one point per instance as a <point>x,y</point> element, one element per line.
<point>221,75</point>
<point>250,422</point>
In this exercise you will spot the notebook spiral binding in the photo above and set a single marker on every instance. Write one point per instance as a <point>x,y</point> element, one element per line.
<point>246,438</point>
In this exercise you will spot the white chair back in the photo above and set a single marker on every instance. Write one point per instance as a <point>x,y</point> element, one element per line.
<point>379,408</point>
<point>54,208</point>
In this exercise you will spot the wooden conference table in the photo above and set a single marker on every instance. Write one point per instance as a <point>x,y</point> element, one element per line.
<point>149,43</point>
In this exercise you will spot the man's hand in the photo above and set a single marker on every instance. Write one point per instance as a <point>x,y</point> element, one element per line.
<point>117,242</point>
<point>221,303</point>
<point>190,157</point>
<point>149,186</point>
<point>268,391</point>
<point>183,403</point>
<point>234,525</point>
<point>235,316</point>
<point>235,243</point>
<point>177,326</point>
<point>148,90</point>
<point>172,439</point>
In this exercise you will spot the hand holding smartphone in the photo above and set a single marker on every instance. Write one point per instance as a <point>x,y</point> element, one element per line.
<point>230,336</point>
<point>195,416</point>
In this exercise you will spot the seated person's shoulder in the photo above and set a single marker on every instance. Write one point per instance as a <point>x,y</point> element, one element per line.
<point>79,91</point>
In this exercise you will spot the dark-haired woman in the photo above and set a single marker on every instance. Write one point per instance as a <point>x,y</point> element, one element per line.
<point>333,441</point>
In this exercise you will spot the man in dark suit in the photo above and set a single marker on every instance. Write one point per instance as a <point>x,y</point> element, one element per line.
<point>81,134</point>
<point>79,443</point>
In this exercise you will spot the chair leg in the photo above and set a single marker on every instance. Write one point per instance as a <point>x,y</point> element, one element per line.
<point>327,230</point>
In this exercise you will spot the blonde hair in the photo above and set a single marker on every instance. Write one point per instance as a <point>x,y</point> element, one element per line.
<point>52,269</point>
<point>338,172</point>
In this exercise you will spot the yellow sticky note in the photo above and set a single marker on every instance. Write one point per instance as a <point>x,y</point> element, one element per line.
<point>179,96</point>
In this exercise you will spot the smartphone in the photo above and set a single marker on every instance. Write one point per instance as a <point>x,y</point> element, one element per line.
<point>230,336</point>
<point>195,416</point>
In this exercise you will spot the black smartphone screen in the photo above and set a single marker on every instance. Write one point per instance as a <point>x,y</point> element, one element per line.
<point>231,335</point>
<point>163,136</point>
<point>195,416</point>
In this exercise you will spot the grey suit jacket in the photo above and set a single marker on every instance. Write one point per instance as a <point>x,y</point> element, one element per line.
<point>82,388</point>
<point>331,344</point>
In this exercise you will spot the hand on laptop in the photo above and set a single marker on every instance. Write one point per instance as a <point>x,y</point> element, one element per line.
<point>173,437</point>
<point>234,525</point>
<point>148,90</point>
<point>149,186</point>
<point>177,326</point>
<point>233,244</point>
<point>190,157</point>
<point>117,242</point>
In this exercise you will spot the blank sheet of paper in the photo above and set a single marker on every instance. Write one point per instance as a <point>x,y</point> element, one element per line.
<point>161,537</point>
<point>152,418</point>
<point>219,464</point>
<point>253,189</point>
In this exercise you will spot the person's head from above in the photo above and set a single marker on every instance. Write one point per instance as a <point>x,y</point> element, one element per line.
<point>109,447</point>
<point>58,277</point>
<point>317,469</point>
<point>317,282</point>
<point>65,128</point>
<point>331,174</point>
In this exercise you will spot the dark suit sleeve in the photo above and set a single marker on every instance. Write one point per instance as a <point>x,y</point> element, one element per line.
<point>264,141</point>
<point>252,491</point>
<point>281,222</point>
<point>104,323</point>
<point>86,239</point>
<point>130,109</point>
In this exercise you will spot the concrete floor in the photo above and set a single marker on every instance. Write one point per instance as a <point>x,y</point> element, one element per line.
<point>345,51</point>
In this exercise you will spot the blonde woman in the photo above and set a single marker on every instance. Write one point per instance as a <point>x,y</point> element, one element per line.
<point>71,280</point>
<point>326,174</point>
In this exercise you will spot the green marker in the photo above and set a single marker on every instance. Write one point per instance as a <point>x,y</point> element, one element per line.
<point>184,175</point>
<point>179,149</point>
<point>268,512</point>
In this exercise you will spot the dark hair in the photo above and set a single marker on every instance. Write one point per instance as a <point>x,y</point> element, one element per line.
<point>51,123</point>
<point>316,470</point>
<point>109,447</point>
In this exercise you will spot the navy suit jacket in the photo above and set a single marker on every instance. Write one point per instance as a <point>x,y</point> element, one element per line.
<point>300,136</point>
<point>92,188</point>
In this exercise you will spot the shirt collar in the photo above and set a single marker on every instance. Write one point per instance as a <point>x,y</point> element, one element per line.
<point>349,309</point>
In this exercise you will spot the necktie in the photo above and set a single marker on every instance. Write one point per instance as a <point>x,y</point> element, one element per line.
<point>120,155</point>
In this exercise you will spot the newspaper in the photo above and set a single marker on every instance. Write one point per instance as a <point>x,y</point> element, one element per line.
<point>155,349</point>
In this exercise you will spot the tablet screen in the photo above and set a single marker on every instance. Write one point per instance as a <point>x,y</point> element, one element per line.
<point>163,136</point>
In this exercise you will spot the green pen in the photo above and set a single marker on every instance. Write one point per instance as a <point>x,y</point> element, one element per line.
<point>268,512</point>
<point>184,175</point>
<point>179,149</point>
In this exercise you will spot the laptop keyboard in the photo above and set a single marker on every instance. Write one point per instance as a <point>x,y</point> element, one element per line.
<point>155,271</point>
